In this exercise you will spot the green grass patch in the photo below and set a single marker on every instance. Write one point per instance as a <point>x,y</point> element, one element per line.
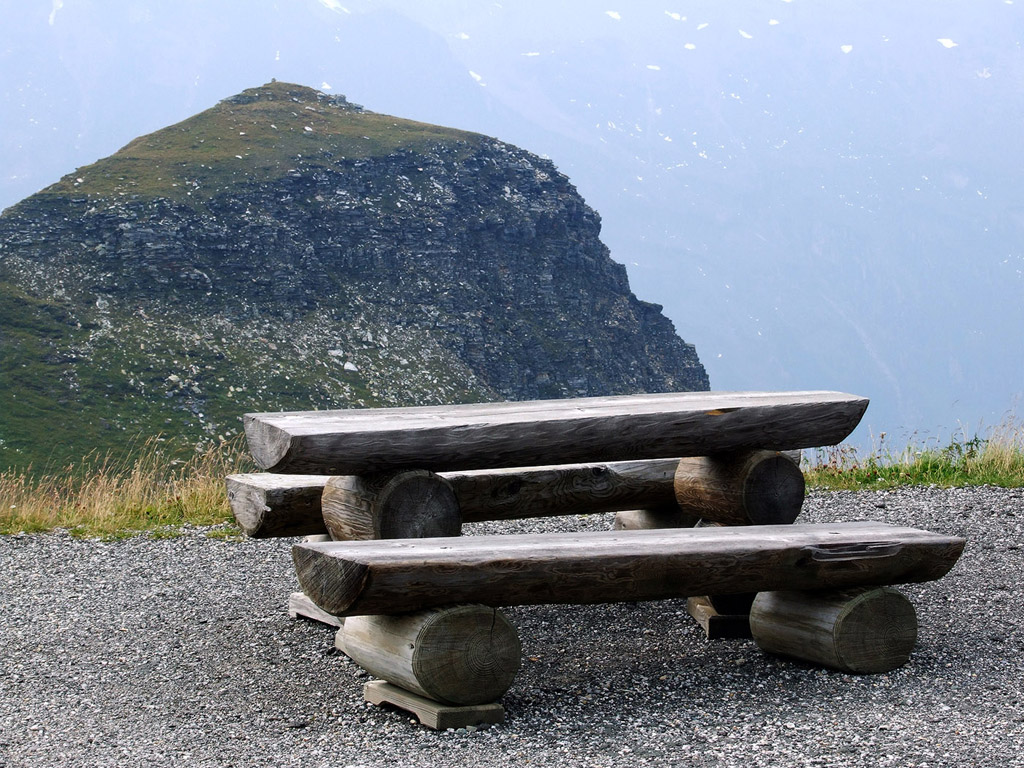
<point>996,458</point>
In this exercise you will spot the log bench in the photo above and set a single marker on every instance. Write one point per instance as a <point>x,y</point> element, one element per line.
<point>393,487</point>
<point>825,575</point>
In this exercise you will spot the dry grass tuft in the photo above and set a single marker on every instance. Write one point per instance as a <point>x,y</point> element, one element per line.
<point>103,498</point>
<point>996,459</point>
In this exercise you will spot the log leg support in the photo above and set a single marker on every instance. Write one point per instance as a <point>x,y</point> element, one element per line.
<point>460,655</point>
<point>403,505</point>
<point>863,631</point>
<point>431,713</point>
<point>744,488</point>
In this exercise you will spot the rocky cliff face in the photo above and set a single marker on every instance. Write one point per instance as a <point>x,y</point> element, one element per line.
<point>290,250</point>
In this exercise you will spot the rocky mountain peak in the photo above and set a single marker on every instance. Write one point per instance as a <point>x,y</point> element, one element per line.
<point>288,249</point>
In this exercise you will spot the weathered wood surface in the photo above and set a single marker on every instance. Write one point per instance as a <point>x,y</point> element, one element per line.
<point>647,486</point>
<point>384,577</point>
<point>431,713</point>
<point>744,488</point>
<point>459,654</point>
<point>863,631</point>
<point>519,434</point>
<point>404,505</point>
<point>267,505</point>
<point>569,489</point>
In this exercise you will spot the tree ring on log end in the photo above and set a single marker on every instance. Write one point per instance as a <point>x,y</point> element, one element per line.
<point>417,504</point>
<point>774,490</point>
<point>466,654</point>
<point>876,631</point>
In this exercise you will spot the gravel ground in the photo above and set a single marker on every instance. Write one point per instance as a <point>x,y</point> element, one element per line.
<point>154,652</point>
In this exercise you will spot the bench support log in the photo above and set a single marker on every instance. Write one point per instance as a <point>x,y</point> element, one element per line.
<point>288,505</point>
<point>405,505</point>
<point>747,488</point>
<point>285,505</point>
<point>459,655</point>
<point>568,489</point>
<point>862,631</point>
<point>267,505</point>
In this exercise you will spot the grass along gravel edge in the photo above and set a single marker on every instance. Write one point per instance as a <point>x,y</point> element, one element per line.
<point>996,459</point>
<point>102,498</point>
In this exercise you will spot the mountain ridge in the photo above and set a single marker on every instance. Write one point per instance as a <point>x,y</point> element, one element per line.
<point>367,261</point>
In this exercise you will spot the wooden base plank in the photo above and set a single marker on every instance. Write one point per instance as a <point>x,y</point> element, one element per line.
<point>716,625</point>
<point>431,713</point>
<point>300,605</point>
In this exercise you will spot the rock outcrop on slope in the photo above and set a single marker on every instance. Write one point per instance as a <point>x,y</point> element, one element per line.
<point>288,249</point>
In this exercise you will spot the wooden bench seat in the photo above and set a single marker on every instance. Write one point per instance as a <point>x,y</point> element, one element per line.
<point>397,576</point>
<point>522,434</point>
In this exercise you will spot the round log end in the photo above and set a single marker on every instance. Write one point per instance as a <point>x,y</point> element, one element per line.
<point>467,654</point>
<point>417,504</point>
<point>247,505</point>
<point>268,444</point>
<point>773,490</point>
<point>332,583</point>
<point>862,631</point>
<point>876,632</point>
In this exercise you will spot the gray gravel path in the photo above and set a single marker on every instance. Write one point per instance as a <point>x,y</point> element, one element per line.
<point>149,652</point>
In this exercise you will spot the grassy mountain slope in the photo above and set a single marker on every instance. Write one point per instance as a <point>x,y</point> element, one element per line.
<point>257,136</point>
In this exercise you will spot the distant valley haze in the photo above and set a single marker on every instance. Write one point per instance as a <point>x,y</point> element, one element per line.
<point>821,195</point>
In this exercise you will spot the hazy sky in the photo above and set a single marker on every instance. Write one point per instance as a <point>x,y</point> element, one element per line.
<point>822,195</point>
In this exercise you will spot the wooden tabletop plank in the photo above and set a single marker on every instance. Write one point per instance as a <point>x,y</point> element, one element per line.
<point>397,576</point>
<point>517,434</point>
